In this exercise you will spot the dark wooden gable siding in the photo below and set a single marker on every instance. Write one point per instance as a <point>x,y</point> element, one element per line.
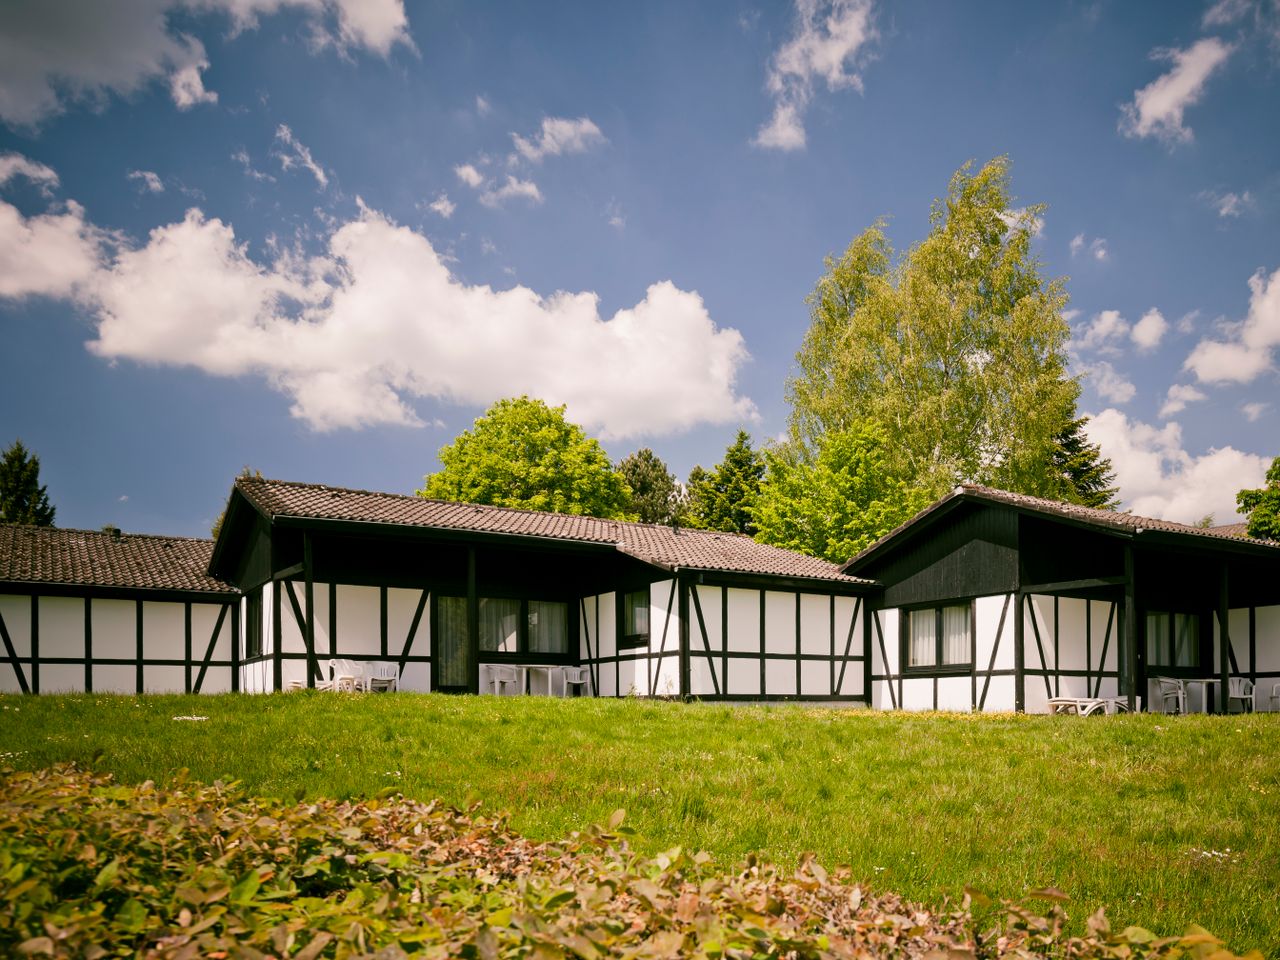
<point>972,553</point>
<point>1055,552</point>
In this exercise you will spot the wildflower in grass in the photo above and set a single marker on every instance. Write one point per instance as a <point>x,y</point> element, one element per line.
<point>187,717</point>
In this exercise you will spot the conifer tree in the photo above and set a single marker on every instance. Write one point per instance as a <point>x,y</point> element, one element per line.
<point>22,497</point>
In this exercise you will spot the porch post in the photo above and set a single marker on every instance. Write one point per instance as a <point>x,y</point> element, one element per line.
<point>683,587</point>
<point>473,624</point>
<point>309,610</point>
<point>1019,655</point>
<point>1224,635</point>
<point>1129,630</point>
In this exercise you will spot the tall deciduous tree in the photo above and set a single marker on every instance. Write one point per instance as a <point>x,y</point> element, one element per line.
<point>22,497</point>
<point>957,351</point>
<point>523,453</point>
<point>840,501</point>
<point>655,494</point>
<point>1263,505</point>
<point>1082,465</point>
<point>723,498</point>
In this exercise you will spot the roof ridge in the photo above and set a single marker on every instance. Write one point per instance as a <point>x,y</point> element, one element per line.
<point>37,528</point>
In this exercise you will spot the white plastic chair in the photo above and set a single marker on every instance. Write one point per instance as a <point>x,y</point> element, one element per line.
<point>1240,688</point>
<point>1172,691</point>
<point>383,675</point>
<point>348,676</point>
<point>501,677</point>
<point>1275,697</point>
<point>575,677</point>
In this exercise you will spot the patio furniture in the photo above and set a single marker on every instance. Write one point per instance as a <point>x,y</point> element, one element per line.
<point>383,675</point>
<point>347,677</point>
<point>1172,691</point>
<point>1081,706</point>
<point>1275,697</point>
<point>580,676</point>
<point>1240,688</point>
<point>501,677</point>
<point>1204,683</point>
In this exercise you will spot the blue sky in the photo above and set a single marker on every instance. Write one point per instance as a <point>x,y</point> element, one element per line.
<point>318,237</point>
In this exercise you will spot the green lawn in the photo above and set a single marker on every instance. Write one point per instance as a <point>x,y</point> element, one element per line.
<point>1164,821</point>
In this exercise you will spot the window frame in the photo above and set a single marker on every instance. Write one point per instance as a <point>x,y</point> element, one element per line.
<point>522,653</point>
<point>938,667</point>
<point>632,641</point>
<point>1167,646</point>
<point>253,624</point>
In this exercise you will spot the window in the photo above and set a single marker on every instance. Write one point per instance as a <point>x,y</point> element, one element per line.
<point>253,624</point>
<point>938,636</point>
<point>548,627</point>
<point>507,626</point>
<point>1173,639</point>
<point>499,625</point>
<point>635,619</point>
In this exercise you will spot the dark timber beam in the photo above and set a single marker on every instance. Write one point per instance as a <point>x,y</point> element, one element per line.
<point>309,605</point>
<point>473,624</point>
<point>1129,630</point>
<point>1070,586</point>
<point>1224,635</point>
<point>684,637</point>
<point>1019,656</point>
<point>288,573</point>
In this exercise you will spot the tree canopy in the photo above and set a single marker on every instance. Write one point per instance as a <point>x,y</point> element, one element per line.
<point>22,497</point>
<point>957,351</point>
<point>655,494</point>
<point>723,498</point>
<point>524,453</point>
<point>1263,505</point>
<point>838,502</point>
<point>1089,474</point>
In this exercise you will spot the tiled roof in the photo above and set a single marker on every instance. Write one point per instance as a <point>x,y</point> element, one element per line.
<point>97,559</point>
<point>1108,519</point>
<point>653,543</point>
<point>1232,529</point>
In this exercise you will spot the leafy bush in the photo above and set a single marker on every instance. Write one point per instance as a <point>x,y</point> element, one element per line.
<point>92,868</point>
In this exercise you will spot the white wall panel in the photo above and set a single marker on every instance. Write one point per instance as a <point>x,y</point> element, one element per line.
<point>1267,638</point>
<point>631,675</point>
<point>401,606</point>
<point>216,679</point>
<point>1107,687</point>
<point>851,685</point>
<point>700,684</point>
<point>416,677</point>
<point>1038,657</point>
<point>882,694</point>
<point>164,679</point>
<point>1238,625</point>
<point>1071,634</point>
<point>780,677</point>
<point>1100,612</point>
<point>709,599</point>
<point>1001,695</point>
<point>359,620</point>
<point>608,677</point>
<point>115,630</point>
<point>888,622</point>
<point>290,628</point>
<point>664,617</point>
<point>815,678</point>
<point>607,644</point>
<point>204,617</point>
<point>1035,699</point>
<point>1071,686</point>
<point>780,624</point>
<point>587,646</point>
<point>744,620</point>
<point>667,676</point>
<point>62,630</point>
<point>917,694</point>
<point>16,611</point>
<point>955,693</point>
<point>744,678</point>
<point>320,598</point>
<point>815,625</point>
<point>987,614</point>
<point>60,677</point>
<point>114,678</point>
<point>845,607</point>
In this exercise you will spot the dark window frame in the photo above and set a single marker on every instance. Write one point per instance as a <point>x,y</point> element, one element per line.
<point>631,640</point>
<point>937,668</point>
<point>253,624</point>
<point>522,653</point>
<point>1168,645</point>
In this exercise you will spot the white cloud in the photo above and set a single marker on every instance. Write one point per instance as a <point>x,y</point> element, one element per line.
<point>1109,384</point>
<point>829,43</point>
<point>1245,352</point>
<point>57,52</point>
<point>16,165</point>
<point>1225,12</point>
<point>442,205</point>
<point>559,135</point>
<point>1096,248</point>
<point>1158,478</point>
<point>241,157</point>
<point>1157,109</point>
<point>1022,218</point>
<point>291,153</point>
<point>512,189</point>
<point>483,108</point>
<point>353,335</point>
<point>1107,327</point>
<point>1252,411</point>
<point>1228,204</point>
<point>150,180</point>
<point>1177,398</point>
<point>1149,330</point>
<point>469,175</point>
<point>613,211</point>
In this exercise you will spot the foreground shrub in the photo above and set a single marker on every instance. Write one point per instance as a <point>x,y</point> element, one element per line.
<point>92,868</point>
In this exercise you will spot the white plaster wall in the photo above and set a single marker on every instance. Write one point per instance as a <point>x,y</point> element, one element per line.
<point>60,677</point>
<point>700,667</point>
<point>1035,699</point>
<point>1267,639</point>
<point>780,626</point>
<point>780,675</point>
<point>744,622</point>
<point>164,679</point>
<point>1041,608</point>
<point>815,676</point>
<point>989,635</point>
<point>587,629</point>
<point>216,679</point>
<point>115,633</point>
<point>888,623</point>
<point>608,645</point>
<point>664,617</point>
<point>416,677</point>
<point>955,693</point>
<point>631,674</point>
<point>709,599</point>
<point>744,677</point>
<point>16,611</point>
<point>204,617</point>
<point>360,621</point>
<point>62,632</point>
<point>852,683</point>
<point>815,626</point>
<point>1072,651</point>
<point>1100,612</point>
<point>1001,694</point>
<point>401,606</point>
<point>666,681</point>
<point>845,607</point>
<point>1238,625</point>
<point>608,675</point>
<point>114,678</point>
<point>290,629</point>
<point>917,694</point>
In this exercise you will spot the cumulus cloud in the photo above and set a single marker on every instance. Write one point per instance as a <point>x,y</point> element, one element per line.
<point>469,175</point>
<point>559,135</point>
<point>16,165</point>
<point>1252,411</point>
<point>241,157</point>
<point>353,335</point>
<point>1108,382</point>
<point>1149,330</point>
<point>1244,352</point>
<point>1177,398</point>
<point>1107,329</point>
<point>1159,478</point>
<point>1096,248</point>
<point>292,153</point>
<point>57,52</point>
<point>1225,12</point>
<point>1157,109</point>
<point>513,189</point>
<point>830,43</point>
<point>483,107</point>
<point>148,179</point>
<point>442,205</point>
<point>1228,204</point>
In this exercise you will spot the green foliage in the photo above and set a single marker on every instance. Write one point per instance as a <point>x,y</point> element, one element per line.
<point>655,495</point>
<point>958,351</point>
<point>523,453</point>
<point>89,867</point>
<point>843,500</point>
<point>723,498</point>
<point>22,498</point>
<point>217,524</point>
<point>1089,475</point>
<point>1263,505</point>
